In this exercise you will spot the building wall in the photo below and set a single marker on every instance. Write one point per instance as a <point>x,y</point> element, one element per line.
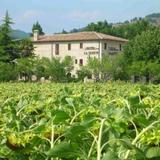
<point>90,49</point>
<point>43,49</point>
<point>48,49</point>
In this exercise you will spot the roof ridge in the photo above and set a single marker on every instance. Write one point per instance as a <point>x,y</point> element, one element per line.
<point>97,34</point>
<point>84,35</point>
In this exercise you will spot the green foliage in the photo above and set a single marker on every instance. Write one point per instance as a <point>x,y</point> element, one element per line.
<point>79,121</point>
<point>25,67</point>
<point>142,54</point>
<point>111,67</point>
<point>84,72</point>
<point>41,69</point>
<point>7,72</point>
<point>12,49</point>
<point>67,62</point>
<point>126,30</point>
<point>153,152</point>
<point>24,48</point>
<point>132,29</point>
<point>7,52</point>
<point>37,26</point>
<point>58,70</point>
<point>154,18</point>
<point>144,47</point>
<point>64,150</point>
<point>94,64</point>
<point>102,27</point>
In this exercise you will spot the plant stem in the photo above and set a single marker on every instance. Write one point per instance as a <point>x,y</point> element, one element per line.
<point>99,140</point>
<point>76,115</point>
<point>90,151</point>
<point>52,138</point>
<point>139,135</point>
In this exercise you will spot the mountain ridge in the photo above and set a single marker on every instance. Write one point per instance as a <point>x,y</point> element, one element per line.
<point>153,19</point>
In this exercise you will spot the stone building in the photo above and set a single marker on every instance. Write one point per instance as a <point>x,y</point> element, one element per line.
<point>79,46</point>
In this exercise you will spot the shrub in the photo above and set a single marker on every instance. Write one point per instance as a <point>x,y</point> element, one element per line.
<point>7,72</point>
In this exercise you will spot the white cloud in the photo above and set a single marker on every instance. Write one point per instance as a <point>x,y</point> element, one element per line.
<point>2,14</point>
<point>26,19</point>
<point>85,15</point>
<point>32,14</point>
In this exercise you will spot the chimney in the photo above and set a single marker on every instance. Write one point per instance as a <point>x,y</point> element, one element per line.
<point>35,35</point>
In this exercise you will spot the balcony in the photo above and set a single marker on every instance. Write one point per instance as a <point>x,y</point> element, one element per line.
<point>113,50</point>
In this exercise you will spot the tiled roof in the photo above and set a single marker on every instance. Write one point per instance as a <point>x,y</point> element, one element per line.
<point>79,36</point>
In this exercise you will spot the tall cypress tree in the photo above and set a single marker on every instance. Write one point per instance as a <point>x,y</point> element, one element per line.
<point>37,26</point>
<point>6,44</point>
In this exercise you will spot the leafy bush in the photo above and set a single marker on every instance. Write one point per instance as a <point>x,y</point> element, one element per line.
<point>7,72</point>
<point>142,54</point>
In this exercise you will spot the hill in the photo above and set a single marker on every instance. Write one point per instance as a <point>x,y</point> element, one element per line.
<point>154,18</point>
<point>18,34</point>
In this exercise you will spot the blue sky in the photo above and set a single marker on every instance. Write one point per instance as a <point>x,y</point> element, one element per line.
<point>55,15</point>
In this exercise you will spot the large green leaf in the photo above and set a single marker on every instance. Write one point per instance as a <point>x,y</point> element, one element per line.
<point>70,101</point>
<point>75,131</point>
<point>41,126</point>
<point>59,116</point>
<point>110,156</point>
<point>64,150</point>
<point>153,152</point>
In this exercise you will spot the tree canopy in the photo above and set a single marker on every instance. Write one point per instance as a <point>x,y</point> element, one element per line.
<point>142,54</point>
<point>37,26</point>
<point>7,52</point>
<point>126,30</point>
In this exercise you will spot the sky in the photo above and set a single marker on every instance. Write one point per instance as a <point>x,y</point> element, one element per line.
<point>56,15</point>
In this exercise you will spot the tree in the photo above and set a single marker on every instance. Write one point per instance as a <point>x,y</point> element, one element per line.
<point>8,72</point>
<point>84,72</point>
<point>94,65</point>
<point>126,30</point>
<point>58,70</point>
<point>26,67</point>
<point>132,29</point>
<point>110,67</point>
<point>143,51</point>
<point>24,48</point>
<point>37,26</point>
<point>67,62</point>
<point>100,26</point>
<point>42,68</point>
<point>7,48</point>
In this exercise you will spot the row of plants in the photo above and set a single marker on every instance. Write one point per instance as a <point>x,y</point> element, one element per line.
<point>24,69</point>
<point>115,121</point>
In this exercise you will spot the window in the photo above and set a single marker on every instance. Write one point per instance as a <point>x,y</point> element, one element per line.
<point>69,46</point>
<point>76,61</point>
<point>81,62</point>
<point>120,47</point>
<point>81,45</point>
<point>105,46</point>
<point>57,49</point>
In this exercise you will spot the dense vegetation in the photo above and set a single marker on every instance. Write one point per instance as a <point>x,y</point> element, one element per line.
<point>37,26</point>
<point>127,29</point>
<point>140,58</point>
<point>154,18</point>
<point>113,121</point>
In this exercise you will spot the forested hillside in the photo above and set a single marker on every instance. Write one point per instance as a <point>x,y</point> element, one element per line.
<point>127,29</point>
<point>18,34</point>
<point>154,18</point>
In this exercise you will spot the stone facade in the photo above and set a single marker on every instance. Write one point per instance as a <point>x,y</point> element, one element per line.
<point>79,49</point>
